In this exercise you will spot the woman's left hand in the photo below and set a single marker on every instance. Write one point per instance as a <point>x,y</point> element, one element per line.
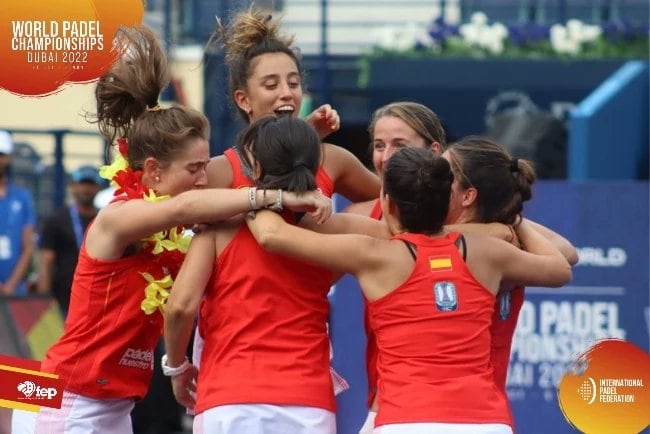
<point>314,202</point>
<point>325,120</point>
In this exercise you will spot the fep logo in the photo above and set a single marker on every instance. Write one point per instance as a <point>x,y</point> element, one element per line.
<point>608,389</point>
<point>29,388</point>
<point>24,386</point>
<point>45,44</point>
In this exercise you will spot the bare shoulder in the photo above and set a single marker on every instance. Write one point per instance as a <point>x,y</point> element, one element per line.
<point>219,172</point>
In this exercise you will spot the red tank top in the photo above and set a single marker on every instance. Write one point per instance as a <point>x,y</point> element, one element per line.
<point>504,322</point>
<point>106,350</point>
<point>371,340</point>
<point>242,179</point>
<point>433,336</point>
<point>264,319</point>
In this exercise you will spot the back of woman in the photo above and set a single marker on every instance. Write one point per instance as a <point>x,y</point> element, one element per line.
<point>449,379</point>
<point>265,360</point>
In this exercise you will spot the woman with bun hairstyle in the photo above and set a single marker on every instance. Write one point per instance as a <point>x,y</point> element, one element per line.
<point>132,250</point>
<point>264,366</point>
<point>491,186</point>
<point>266,78</point>
<point>408,124</point>
<point>431,297</point>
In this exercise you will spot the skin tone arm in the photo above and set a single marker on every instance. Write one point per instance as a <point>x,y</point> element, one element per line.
<point>562,244</point>
<point>19,271</point>
<point>351,178</point>
<point>181,307</point>
<point>46,259</point>
<point>112,233</point>
<point>367,258</point>
<point>540,265</point>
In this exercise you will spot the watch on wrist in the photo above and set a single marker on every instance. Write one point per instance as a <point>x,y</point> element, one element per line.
<point>172,372</point>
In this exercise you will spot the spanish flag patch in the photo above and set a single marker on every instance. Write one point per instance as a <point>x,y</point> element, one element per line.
<point>440,263</point>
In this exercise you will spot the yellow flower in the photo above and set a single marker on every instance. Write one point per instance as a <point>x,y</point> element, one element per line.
<point>150,196</point>
<point>108,172</point>
<point>155,293</point>
<point>159,239</point>
<point>179,240</point>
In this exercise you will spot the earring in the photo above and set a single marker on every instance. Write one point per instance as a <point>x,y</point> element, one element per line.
<point>157,178</point>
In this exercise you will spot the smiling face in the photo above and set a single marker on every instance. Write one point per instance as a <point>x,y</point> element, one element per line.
<point>274,87</point>
<point>186,171</point>
<point>389,135</point>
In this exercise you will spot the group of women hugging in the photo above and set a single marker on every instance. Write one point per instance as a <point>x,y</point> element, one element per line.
<point>436,238</point>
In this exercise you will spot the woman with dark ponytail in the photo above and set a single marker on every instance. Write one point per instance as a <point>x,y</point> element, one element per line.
<point>264,364</point>
<point>430,296</point>
<point>132,250</point>
<point>492,186</point>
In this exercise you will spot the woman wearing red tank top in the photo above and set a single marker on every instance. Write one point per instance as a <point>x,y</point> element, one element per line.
<point>266,78</point>
<point>431,297</point>
<point>133,248</point>
<point>264,365</point>
<point>409,124</point>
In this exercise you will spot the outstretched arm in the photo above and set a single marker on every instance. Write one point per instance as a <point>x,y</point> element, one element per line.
<point>112,232</point>
<point>343,253</point>
<point>345,223</point>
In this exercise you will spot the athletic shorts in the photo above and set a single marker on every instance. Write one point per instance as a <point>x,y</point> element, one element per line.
<point>443,428</point>
<point>265,419</point>
<point>82,415</point>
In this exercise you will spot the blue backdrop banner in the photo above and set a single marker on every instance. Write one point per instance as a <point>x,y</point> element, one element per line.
<point>608,297</point>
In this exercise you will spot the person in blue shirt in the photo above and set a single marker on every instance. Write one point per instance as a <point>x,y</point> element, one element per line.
<point>17,220</point>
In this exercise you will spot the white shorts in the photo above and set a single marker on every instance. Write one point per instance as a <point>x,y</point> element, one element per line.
<point>82,415</point>
<point>443,428</point>
<point>22,422</point>
<point>264,419</point>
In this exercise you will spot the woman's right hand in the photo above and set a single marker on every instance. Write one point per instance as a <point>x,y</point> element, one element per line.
<point>184,387</point>
<point>314,202</point>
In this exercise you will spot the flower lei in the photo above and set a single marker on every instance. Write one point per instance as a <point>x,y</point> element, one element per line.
<point>167,248</point>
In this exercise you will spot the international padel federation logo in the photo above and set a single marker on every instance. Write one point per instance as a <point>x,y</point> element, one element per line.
<point>608,389</point>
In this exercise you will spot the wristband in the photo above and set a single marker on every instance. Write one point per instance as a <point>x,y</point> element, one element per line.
<point>172,372</point>
<point>277,205</point>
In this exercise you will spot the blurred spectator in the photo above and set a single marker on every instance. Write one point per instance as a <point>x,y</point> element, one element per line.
<point>17,219</point>
<point>62,233</point>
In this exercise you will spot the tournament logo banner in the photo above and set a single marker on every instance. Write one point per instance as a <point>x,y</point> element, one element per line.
<point>23,386</point>
<point>45,44</point>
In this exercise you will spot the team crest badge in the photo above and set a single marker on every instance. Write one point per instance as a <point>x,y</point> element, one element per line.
<point>504,305</point>
<point>446,297</point>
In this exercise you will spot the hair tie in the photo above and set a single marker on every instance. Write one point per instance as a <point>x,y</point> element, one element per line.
<point>298,164</point>
<point>514,165</point>
<point>154,108</point>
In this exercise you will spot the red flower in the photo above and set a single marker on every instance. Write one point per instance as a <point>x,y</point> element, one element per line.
<point>130,183</point>
<point>123,146</point>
